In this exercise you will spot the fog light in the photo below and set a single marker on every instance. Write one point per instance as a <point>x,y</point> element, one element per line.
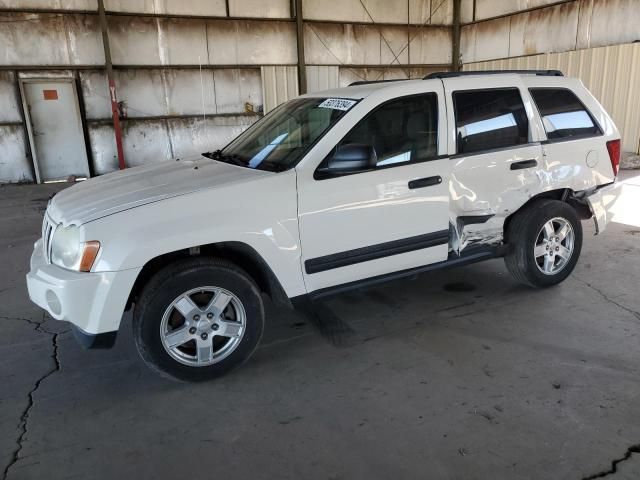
<point>53,302</point>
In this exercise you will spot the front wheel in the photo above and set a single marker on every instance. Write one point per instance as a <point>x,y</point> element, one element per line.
<point>197,319</point>
<point>544,240</point>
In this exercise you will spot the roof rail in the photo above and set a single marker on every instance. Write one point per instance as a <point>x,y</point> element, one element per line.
<point>545,73</point>
<point>367,82</point>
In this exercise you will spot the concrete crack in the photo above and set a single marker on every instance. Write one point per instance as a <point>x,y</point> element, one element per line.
<point>24,418</point>
<point>609,299</point>
<point>633,448</point>
<point>38,326</point>
<point>27,320</point>
<point>614,464</point>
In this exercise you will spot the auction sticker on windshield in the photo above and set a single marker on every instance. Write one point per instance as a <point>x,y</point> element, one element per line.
<point>337,104</point>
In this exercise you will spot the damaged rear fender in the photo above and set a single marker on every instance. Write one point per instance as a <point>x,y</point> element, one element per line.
<point>490,229</point>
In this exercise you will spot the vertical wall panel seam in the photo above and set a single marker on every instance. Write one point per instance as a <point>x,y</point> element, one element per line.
<point>25,135</point>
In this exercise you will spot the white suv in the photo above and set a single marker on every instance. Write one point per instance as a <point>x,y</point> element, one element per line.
<point>331,191</point>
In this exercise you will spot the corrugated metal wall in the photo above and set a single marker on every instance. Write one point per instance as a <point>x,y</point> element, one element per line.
<point>322,77</point>
<point>494,29</point>
<point>192,74</point>
<point>612,74</point>
<point>279,84</point>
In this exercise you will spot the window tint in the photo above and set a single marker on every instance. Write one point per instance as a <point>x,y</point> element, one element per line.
<point>487,119</point>
<point>401,131</point>
<point>563,115</point>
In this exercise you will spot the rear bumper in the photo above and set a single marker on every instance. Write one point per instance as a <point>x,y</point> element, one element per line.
<point>93,302</point>
<point>601,202</point>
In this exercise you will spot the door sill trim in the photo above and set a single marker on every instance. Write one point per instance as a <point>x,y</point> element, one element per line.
<point>476,255</point>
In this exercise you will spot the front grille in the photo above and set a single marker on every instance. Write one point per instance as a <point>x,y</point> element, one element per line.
<point>47,234</point>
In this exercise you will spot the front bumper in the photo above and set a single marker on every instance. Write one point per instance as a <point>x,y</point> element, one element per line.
<point>89,341</point>
<point>601,202</point>
<point>93,302</point>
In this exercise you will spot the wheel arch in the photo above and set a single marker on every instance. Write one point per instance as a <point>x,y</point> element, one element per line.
<point>239,253</point>
<point>566,195</point>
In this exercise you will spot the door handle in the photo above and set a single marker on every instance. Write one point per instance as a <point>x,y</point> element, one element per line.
<point>425,182</point>
<point>524,164</point>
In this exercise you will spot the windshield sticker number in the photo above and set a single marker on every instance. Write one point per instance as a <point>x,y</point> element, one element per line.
<point>337,104</point>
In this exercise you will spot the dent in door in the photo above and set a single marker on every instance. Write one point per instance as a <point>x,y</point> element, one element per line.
<point>479,209</point>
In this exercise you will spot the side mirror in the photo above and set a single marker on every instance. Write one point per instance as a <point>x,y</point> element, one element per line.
<point>354,157</point>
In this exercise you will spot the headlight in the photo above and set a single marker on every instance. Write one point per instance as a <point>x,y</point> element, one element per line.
<point>68,251</point>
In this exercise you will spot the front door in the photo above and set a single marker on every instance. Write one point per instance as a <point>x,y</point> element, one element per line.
<point>389,217</point>
<point>55,129</point>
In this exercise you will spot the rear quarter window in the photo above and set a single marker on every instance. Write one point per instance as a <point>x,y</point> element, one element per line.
<point>563,115</point>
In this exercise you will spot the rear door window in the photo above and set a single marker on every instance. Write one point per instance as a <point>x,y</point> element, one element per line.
<point>489,119</point>
<point>563,115</point>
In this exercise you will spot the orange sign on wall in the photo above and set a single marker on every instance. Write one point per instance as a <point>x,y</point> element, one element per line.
<point>50,94</point>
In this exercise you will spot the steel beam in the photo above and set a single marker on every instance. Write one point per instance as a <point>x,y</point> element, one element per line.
<point>302,69</point>
<point>455,40</point>
<point>115,109</point>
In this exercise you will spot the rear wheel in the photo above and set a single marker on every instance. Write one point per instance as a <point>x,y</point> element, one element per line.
<point>197,319</point>
<point>545,240</point>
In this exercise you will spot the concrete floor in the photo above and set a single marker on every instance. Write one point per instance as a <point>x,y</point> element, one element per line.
<point>462,374</point>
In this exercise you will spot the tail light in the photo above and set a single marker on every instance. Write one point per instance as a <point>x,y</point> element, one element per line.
<point>614,155</point>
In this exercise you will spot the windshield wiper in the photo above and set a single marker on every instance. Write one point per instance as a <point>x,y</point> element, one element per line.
<point>215,155</point>
<point>218,155</point>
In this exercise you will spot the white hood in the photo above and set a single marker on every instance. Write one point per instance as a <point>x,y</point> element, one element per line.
<point>133,187</point>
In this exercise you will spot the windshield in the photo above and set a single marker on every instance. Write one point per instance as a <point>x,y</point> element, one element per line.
<point>278,141</point>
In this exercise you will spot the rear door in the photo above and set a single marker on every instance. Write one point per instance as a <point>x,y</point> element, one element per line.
<point>390,218</point>
<point>498,163</point>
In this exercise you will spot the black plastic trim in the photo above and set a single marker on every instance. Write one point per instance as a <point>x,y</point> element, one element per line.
<point>542,73</point>
<point>475,255</point>
<point>569,139</point>
<point>425,182</point>
<point>324,174</point>
<point>374,252</point>
<point>94,341</point>
<point>463,220</point>
<point>493,150</point>
<point>369,82</point>
<point>524,164</point>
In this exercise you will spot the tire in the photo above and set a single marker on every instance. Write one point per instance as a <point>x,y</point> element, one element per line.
<point>527,239</point>
<point>176,319</point>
